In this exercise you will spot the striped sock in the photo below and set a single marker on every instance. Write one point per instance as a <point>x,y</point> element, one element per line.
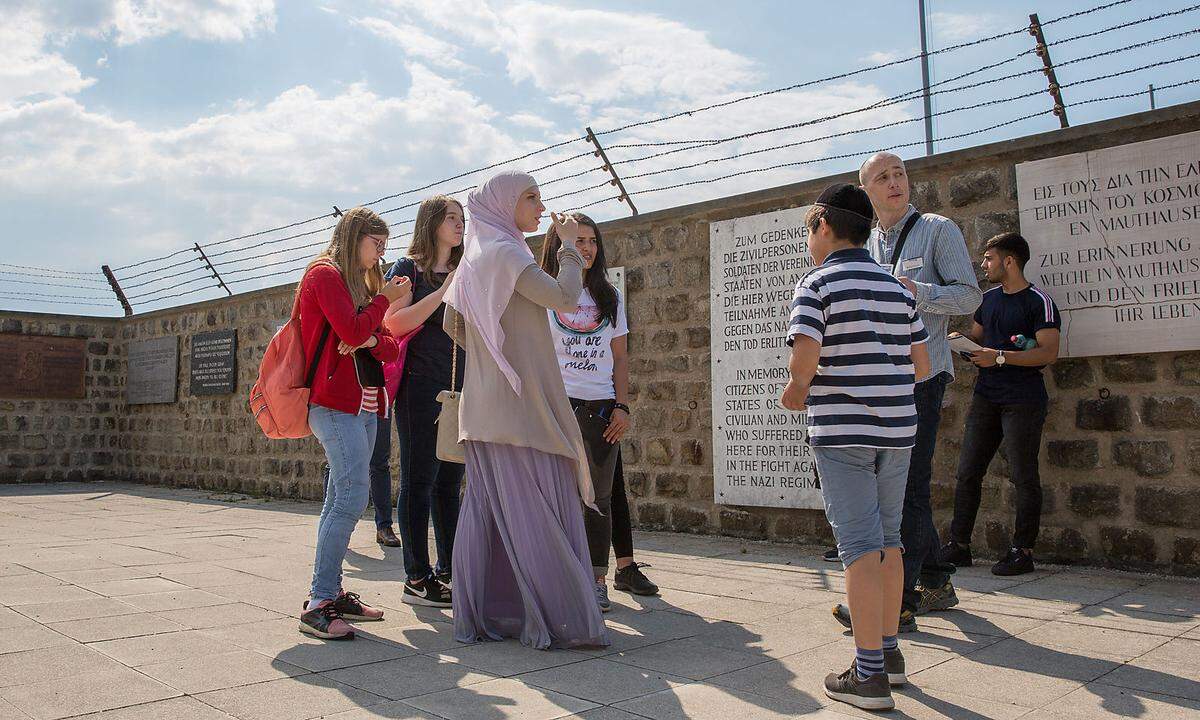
<point>889,642</point>
<point>868,662</point>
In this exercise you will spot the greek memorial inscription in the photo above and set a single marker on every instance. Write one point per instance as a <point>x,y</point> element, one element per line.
<point>1114,240</point>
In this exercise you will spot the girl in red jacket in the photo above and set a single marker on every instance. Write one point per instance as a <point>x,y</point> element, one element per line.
<point>342,300</point>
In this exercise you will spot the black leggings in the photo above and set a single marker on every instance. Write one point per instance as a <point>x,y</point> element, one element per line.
<point>622,529</point>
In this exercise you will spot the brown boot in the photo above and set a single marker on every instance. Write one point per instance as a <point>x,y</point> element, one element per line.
<point>386,537</point>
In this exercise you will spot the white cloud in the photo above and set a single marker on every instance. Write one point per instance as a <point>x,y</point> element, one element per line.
<point>881,57</point>
<point>957,27</point>
<point>26,68</point>
<point>586,57</point>
<point>29,65</point>
<point>415,42</point>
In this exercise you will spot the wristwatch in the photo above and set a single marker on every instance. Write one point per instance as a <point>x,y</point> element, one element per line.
<point>1000,357</point>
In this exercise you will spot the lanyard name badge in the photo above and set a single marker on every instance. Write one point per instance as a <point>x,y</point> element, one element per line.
<point>908,226</point>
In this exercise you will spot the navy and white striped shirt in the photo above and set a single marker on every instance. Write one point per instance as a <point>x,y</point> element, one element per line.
<point>866,322</point>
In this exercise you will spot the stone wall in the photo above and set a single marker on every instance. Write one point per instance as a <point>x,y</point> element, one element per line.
<point>1121,461</point>
<point>44,440</point>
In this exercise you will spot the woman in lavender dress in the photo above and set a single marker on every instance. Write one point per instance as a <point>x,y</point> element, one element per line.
<point>521,565</point>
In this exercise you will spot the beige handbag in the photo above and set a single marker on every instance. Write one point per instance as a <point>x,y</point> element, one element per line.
<point>449,448</point>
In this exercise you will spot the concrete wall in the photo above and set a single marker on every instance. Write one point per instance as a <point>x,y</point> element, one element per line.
<point>1121,460</point>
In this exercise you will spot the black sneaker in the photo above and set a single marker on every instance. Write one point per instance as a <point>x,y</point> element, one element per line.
<point>444,578</point>
<point>955,554</point>
<point>631,580</point>
<point>326,623</point>
<point>874,693</point>
<point>428,592</point>
<point>908,621</point>
<point>831,555</point>
<point>932,599</point>
<point>1016,562</point>
<point>893,665</point>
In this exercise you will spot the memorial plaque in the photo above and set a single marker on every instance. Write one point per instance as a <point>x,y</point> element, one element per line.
<point>760,450</point>
<point>214,363</point>
<point>1113,238</point>
<point>42,366</point>
<point>153,371</point>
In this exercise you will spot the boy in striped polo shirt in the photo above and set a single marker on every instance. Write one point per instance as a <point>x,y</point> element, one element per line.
<point>857,348</point>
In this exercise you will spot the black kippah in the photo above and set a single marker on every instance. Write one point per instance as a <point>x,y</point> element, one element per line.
<point>847,198</point>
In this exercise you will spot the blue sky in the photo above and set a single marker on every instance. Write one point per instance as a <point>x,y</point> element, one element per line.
<point>130,129</point>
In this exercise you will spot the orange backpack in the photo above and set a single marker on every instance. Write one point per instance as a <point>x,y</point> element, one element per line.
<point>279,398</point>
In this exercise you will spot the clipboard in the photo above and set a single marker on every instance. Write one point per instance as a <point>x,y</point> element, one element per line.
<point>963,345</point>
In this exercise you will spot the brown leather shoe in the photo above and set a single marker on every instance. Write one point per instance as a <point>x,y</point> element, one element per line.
<point>387,538</point>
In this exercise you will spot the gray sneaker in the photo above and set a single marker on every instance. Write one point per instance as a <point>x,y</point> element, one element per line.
<point>893,665</point>
<point>870,694</point>
<point>602,597</point>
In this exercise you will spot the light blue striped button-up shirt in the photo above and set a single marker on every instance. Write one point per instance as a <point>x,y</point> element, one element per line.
<point>935,258</point>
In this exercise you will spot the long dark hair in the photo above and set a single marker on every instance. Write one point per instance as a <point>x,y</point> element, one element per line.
<point>595,278</point>
<point>423,248</point>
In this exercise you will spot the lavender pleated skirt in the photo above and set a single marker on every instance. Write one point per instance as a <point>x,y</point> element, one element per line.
<point>521,565</point>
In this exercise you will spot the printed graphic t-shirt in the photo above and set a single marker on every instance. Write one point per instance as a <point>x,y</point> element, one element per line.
<point>583,343</point>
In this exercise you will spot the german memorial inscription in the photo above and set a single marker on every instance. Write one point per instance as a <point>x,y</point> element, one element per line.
<point>40,366</point>
<point>760,450</point>
<point>214,363</point>
<point>1114,240</point>
<point>153,371</point>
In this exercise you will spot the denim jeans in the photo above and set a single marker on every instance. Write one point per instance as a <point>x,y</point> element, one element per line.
<point>863,492</point>
<point>429,488</point>
<point>1019,427</point>
<point>348,440</point>
<point>381,473</point>
<point>917,531</point>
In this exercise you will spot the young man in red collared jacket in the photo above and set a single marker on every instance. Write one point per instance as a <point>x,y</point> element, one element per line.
<point>343,297</point>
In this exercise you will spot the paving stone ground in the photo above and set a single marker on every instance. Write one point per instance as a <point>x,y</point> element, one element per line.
<point>147,603</point>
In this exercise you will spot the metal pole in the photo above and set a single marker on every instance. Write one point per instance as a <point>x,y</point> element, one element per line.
<point>1151,96</point>
<point>116,288</point>
<point>616,179</point>
<point>215,274</point>
<point>925,81</point>
<point>1060,109</point>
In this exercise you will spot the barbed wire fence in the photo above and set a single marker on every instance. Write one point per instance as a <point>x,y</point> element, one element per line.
<point>283,251</point>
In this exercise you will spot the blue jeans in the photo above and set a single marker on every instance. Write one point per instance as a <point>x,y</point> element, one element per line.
<point>348,441</point>
<point>429,488</point>
<point>863,491</point>
<point>917,531</point>
<point>380,472</point>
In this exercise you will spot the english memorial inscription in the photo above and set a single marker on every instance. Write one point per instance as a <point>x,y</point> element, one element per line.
<point>760,450</point>
<point>1114,240</point>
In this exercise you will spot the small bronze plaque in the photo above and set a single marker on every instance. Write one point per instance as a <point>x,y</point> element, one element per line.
<point>42,366</point>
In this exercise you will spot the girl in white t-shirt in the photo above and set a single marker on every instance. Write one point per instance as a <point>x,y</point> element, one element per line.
<point>592,349</point>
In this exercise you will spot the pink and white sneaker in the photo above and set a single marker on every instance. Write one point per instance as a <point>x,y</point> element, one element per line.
<point>351,607</point>
<point>325,622</point>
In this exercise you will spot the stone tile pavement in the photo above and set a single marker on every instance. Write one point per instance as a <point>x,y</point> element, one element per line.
<point>147,603</point>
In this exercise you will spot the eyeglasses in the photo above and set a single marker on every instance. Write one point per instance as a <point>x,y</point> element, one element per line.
<point>381,244</point>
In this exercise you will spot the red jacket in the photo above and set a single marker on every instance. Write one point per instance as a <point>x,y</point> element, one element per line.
<point>325,300</point>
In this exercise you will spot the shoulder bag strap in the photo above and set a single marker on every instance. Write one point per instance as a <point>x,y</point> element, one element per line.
<point>908,226</point>
<point>312,370</point>
<point>454,353</point>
